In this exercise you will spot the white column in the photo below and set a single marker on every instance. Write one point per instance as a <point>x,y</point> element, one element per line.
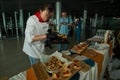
<point>16,24</point>
<point>21,21</point>
<point>4,21</point>
<point>58,13</point>
<point>11,25</point>
<point>0,31</point>
<point>96,18</point>
<point>84,18</point>
<point>74,19</point>
<point>102,20</point>
<point>11,22</point>
<point>90,22</point>
<point>29,14</point>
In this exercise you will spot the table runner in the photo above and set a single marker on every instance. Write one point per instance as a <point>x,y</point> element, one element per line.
<point>98,58</point>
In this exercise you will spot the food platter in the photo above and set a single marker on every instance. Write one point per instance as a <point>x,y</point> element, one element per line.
<point>79,48</point>
<point>62,69</point>
<point>54,65</point>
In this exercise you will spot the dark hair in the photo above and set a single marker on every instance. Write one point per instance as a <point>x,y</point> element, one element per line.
<point>64,11</point>
<point>48,7</point>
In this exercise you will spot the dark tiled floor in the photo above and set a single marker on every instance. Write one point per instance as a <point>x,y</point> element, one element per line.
<point>12,59</point>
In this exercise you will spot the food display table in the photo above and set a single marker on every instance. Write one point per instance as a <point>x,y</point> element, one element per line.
<point>99,53</point>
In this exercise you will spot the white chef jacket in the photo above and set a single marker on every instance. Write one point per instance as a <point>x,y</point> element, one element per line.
<point>33,28</point>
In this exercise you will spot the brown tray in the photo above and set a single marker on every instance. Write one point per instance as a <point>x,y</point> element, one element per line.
<point>60,41</point>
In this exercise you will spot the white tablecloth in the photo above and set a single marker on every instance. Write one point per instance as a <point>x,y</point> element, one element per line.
<point>92,74</point>
<point>103,49</point>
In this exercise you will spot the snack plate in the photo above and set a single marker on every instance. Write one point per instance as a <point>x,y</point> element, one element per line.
<point>74,51</point>
<point>58,55</point>
<point>79,51</point>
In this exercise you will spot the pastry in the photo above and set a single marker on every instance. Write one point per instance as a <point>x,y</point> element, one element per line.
<point>77,64</point>
<point>66,72</point>
<point>56,76</point>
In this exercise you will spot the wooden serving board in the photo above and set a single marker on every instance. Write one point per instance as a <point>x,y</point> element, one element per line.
<point>42,74</point>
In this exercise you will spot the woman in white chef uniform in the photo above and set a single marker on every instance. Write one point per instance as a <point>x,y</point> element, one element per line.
<point>36,33</point>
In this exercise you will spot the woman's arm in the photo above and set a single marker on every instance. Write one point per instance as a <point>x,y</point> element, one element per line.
<point>39,37</point>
